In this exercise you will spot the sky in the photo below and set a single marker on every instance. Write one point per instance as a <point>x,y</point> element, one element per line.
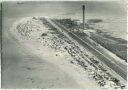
<point>66,8</point>
<point>108,10</point>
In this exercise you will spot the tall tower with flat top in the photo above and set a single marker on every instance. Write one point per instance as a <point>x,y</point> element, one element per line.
<point>83,7</point>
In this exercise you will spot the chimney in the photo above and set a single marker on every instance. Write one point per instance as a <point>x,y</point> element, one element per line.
<point>83,7</point>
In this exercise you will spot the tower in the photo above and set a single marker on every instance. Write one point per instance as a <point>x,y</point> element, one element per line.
<point>83,7</point>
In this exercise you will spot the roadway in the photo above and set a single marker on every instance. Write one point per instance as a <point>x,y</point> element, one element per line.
<point>100,54</point>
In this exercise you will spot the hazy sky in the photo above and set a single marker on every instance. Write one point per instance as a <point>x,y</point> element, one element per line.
<point>93,9</point>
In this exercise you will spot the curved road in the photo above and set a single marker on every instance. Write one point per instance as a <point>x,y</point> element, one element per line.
<point>103,56</point>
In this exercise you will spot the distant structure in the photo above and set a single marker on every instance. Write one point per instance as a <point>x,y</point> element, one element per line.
<point>83,7</point>
<point>20,3</point>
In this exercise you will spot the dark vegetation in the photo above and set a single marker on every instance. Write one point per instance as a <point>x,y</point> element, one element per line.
<point>44,34</point>
<point>68,23</point>
<point>71,24</point>
<point>94,21</point>
<point>117,46</point>
<point>120,40</point>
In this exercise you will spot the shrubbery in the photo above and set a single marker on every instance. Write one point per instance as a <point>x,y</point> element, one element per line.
<point>118,49</point>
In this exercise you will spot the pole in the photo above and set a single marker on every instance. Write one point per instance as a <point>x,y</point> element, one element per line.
<point>83,7</point>
<point>1,36</point>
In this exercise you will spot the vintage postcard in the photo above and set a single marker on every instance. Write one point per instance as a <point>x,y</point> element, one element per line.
<point>64,45</point>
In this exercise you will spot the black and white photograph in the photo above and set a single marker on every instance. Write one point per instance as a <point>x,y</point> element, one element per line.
<point>64,44</point>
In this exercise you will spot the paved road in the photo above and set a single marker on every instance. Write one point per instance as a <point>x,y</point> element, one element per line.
<point>120,70</point>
